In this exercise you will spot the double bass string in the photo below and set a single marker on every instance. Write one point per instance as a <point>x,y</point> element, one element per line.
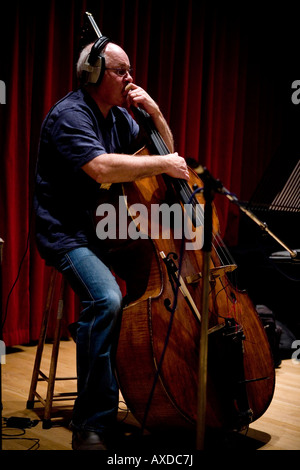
<point>218,245</point>
<point>186,193</point>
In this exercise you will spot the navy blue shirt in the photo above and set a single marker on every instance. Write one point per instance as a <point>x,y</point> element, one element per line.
<point>73,133</point>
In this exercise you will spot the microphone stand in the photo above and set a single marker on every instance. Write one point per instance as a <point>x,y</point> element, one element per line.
<point>294,255</point>
<point>217,184</point>
<point>212,186</point>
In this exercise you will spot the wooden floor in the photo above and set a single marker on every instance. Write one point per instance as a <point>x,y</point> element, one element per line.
<point>277,429</point>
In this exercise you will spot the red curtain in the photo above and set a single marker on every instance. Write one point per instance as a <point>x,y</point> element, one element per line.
<point>213,70</point>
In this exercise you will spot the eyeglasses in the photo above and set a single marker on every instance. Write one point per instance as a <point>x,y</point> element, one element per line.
<point>121,71</point>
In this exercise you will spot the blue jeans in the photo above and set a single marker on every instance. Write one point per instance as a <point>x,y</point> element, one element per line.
<point>96,338</point>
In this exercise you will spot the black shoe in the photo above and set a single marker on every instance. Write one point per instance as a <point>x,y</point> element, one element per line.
<point>87,440</point>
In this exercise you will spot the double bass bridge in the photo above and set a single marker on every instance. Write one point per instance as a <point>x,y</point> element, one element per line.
<point>214,273</point>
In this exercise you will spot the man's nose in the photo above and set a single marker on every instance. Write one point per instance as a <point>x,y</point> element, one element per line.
<point>129,78</point>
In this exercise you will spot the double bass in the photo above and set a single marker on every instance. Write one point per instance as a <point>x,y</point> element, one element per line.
<point>158,348</point>
<point>157,357</point>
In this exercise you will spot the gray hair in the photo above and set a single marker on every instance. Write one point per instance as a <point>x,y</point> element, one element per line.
<point>82,60</point>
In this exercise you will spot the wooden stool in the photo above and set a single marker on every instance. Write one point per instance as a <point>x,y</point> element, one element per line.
<point>37,374</point>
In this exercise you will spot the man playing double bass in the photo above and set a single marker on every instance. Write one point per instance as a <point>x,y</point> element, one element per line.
<point>86,139</point>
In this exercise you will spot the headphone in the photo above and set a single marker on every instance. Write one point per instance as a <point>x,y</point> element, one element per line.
<point>95,63</point>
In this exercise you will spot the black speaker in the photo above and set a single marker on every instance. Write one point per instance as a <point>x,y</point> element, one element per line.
<point>95,63</point>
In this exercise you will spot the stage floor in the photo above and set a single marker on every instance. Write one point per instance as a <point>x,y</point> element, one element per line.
<point>277,429</point>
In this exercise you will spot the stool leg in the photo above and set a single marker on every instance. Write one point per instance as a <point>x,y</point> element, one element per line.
<point>54,358</point>
<point>42,337</point>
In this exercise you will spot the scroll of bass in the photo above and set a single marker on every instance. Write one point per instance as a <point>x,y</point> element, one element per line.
<point>163,394</point>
